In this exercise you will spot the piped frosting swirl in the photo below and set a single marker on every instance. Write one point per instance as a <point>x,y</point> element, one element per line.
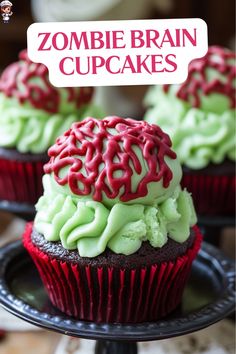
<point>199,114</point>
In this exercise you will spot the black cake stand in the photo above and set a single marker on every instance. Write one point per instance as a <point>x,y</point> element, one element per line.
<point>23,210</point>
<point>209,297</point>
<point>212,226</point>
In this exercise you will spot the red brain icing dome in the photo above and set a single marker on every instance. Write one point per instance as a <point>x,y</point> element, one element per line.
<point>220,59</point>
<point>93,151</point>
<point>29,82</point>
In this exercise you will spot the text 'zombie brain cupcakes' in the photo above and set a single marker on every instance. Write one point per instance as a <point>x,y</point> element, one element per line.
<point>114,236</point>
<point>199,116</point>
<point>32,114</point>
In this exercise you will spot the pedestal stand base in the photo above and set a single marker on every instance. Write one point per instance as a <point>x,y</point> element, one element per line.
<point>112,347</point>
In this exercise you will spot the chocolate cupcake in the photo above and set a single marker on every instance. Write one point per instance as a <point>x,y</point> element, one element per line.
<point>199,116</point>
<point>114,236</point>
<point>32,114</point>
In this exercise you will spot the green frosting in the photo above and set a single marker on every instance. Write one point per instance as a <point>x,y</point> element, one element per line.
<point>33,130</point>
<point>199,135</point>
<point>90,226</point>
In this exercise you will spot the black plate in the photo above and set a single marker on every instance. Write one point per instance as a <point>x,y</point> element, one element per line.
<point>209,297</point>
<point>23,210</point>
<point>216,221</point>
<point>15,207</point>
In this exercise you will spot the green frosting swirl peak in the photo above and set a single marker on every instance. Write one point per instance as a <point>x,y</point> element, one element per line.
<point>90,227</point>
<point>33,130</point>
<point>199,135</point>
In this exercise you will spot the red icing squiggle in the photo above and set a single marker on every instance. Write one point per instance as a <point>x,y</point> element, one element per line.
<point>17,81</point>
<point>217,58</point>
<point>94,141</point>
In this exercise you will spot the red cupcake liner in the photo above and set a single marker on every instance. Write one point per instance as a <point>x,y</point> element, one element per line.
<point>212,195</point>
<point>110,294</point>
<point>21,181</point>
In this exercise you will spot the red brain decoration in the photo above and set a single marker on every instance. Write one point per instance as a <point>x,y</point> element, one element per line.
<point>16,81</point>
<point>197,83</point>
<point>100,148</point>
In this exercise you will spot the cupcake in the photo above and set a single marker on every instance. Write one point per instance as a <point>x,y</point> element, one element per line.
<point>199,116</point>
<point>32,114</point>
<point>114,235</point>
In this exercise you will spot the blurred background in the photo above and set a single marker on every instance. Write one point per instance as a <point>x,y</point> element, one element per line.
<point>15,336</point>
<point>219,16</point>
<point>126,101</point>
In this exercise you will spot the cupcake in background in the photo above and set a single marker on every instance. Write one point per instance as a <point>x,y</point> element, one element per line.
<point>32,114</point>
<point>114,235</point>
<point>199,116</point>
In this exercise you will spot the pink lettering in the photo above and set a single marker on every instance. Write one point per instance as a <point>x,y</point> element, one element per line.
<point>62,66</point>
<point>43,43</point>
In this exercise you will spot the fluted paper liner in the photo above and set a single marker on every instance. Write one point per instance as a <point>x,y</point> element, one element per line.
<point>112,294</point>
<point>21,181</point>
<point>212,195</point>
